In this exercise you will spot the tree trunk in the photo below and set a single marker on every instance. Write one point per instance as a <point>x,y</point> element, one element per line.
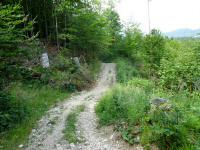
<point>57,41</point>
<point>46,26</point>
<point>65,44</point>
<point>31,17</point>
<point>56,24</point>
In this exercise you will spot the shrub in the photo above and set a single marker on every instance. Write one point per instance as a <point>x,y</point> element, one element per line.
<point>165,128</point>
<point>179,67</point>
<point>12,111</point>
<point>154,44</point>
<point>123,106</point>
<point>65,75</point>
<point>118,111</point>
<point>145,84</point>
<point>13,27</point>
<point>62,63</point>
<point>123,100</point>
<point>125,70</point>
<point>174,128</point>
<point>173,125</point>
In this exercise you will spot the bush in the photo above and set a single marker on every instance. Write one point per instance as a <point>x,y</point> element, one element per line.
<point>145,84</point>
<point>125,70</point>
<point>123,100</point>
<point>123,106</point>
<point>179,67</point>
<point>65,75</point>
<point>154,44</point>
<point>12,111</point>
<point>27,104</point>
<point>165,128</point>
<point>62,63</point>
<point>94,68</point>
<point>173,125</point>
<point>176,127</point>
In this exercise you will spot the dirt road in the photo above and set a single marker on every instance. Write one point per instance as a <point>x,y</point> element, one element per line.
<point>49,133</point>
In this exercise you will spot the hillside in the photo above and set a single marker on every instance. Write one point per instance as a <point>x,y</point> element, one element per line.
<point>179,33</point>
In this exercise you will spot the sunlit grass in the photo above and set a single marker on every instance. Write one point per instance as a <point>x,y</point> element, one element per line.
<point>38,99</point>
<point>70,130</point>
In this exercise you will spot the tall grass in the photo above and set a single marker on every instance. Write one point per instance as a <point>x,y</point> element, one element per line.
<point>94,67</point>
<point>38,100</point>
<point>120,104</point>
<point>125,70</point>
<point>174,125</point>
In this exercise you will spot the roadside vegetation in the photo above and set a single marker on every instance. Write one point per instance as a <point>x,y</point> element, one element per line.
<point>26,105</point>
<point>170,126</point>
<point>158,68</point>
<point>64,30</point>
<point>149,66</point>
<point>70,129</point>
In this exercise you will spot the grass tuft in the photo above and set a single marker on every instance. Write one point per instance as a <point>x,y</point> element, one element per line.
<point>70,130</point>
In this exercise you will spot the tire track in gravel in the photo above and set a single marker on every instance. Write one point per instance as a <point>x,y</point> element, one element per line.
<point>49,133</point>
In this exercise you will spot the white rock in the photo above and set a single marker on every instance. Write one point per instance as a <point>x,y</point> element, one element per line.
<point>137,139</point>
<point>78,132</point>
<point>105,140</point>
<point>21,146</point>
<point>111,137</point>
<point>86,143</point>
<point>45,60</point>
<point>72,145</point>
<point>58,146</point>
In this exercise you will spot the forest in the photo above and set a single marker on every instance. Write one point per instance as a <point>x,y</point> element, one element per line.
<point>149,67</point>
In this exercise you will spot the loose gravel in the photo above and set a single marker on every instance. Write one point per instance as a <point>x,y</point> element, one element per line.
<point>48,135</point>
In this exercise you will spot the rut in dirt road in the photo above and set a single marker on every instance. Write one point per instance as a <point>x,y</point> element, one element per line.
<point>49,133</point>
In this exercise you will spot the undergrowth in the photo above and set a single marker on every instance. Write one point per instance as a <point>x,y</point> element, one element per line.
<point>174,125</point>
<point>24,102</point>
<point>37,99</point>
<point>125,70</point>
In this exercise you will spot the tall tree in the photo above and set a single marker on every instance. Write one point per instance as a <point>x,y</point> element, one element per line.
<point>13,27</point>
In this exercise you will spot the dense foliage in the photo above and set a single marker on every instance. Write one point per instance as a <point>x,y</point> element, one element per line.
<point>84,29</point>
<point>170,126</point>
<point>170,67</point>
<point>179,67</point>
<point>63,29</point>
<point>13,25</point>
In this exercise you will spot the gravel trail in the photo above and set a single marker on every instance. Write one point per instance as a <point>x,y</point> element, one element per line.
<point>49,133</point>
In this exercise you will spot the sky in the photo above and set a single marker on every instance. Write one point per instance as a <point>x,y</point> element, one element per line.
<point>166,15</point>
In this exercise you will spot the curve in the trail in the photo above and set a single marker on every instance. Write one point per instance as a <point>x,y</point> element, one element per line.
<point>49,133</point>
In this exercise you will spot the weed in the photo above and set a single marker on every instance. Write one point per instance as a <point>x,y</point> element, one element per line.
<point>38,100</point>
<point>128,108</point>
<point>70,129</point>
<point>125,70</point>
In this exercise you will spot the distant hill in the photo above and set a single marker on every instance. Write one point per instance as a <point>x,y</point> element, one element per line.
<point>183,33</point>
